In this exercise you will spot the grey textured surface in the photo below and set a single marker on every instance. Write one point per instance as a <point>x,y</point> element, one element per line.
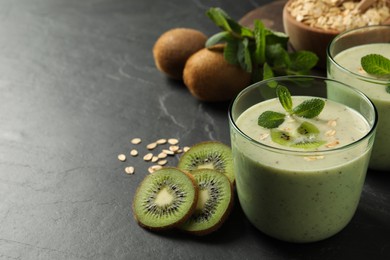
<point>77,82</point>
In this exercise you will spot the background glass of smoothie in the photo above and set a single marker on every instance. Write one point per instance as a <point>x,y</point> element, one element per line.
<point>344,54</point>
<point>300,195</point>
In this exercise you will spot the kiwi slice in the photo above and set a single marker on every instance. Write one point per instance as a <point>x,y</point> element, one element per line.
<point>214,202</point>
<point>307,137</point>
<point>281,137</point>
<point>209,155</point>
<point>165,199</point>
<point>308,144</point>
<point>307,128</point>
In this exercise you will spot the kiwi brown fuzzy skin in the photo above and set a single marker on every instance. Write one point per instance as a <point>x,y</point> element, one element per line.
<point>223,218</point>
<point>174,47</point>
<point>209,77</point>
<point>182,220</point>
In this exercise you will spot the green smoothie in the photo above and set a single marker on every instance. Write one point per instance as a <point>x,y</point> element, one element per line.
<point>301,195</point>
<point>375,88</point>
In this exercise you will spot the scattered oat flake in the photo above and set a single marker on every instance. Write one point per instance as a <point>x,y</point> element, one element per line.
<point>122,157</point>
<point>130,170</point>
<point>154,159</point>
<point>168,152</point>
<point>154,168</point>
<point>151,146</point>
<point>133,152</point>
<point>161,141</point>
<point>186,148</point>
<point>136,140</point>
<point>173,141</point>
<point>148,157</point>
<point>174,148</point>
<point>162,155</point>
<point>162,162</point>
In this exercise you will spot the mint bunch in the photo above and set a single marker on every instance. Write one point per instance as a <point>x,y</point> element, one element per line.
<point>261,51</point>
<point>309,108</point>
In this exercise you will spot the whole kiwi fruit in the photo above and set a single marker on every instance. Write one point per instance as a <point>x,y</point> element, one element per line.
<point>174,47</point>
<point>209,77</point>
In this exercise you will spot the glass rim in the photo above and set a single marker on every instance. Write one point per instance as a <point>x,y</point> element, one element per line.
<point>301,152</point>
<point>351,31</point>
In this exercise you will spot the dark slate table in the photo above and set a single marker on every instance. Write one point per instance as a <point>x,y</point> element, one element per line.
<point>77,82</point>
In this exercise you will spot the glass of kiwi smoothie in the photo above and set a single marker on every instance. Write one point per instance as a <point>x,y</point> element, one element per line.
<point>352,56</point>
<point>300,157</point>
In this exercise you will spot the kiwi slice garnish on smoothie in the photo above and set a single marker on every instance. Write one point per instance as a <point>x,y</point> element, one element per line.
<point>208,155</point>
<point>165,199</point>
<point>306,137</point>
<point>214,202</point>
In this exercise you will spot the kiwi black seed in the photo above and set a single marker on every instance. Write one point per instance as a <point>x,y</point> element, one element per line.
<point>214,202</point>
<point>165,199</point>
<point>209,155</point>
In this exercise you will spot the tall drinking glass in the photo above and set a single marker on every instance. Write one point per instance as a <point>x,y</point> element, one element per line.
<point>294,194</point>
<point>344,64</point>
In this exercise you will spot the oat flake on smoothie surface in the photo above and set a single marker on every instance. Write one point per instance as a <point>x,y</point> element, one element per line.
<point>340,15</point>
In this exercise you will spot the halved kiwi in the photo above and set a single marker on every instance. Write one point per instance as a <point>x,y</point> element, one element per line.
<point>209,155</point>
<point>165,199</point>
<point>214,202</point>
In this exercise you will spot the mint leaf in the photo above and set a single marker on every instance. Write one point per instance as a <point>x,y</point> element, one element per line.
<point>388,89</point>
<point>284,98</point>
<point>223,21</point>
<point>273,37</point>
<point>303,61</point>
<point>268,73</point>
<point>309,108</point>
<point>278,56</point>
<point>376,64</point>
<point>259,34</point>
<point>244,56</point>
<point>270,119</point>
<point>230,52</point>
<point>219,17</point>
<point>217,38</point>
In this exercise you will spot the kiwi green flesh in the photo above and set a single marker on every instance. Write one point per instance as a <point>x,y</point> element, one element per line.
<point>307,138</point>
<point>209,155</point>
<point>165,199</point>
<point>214,202</point>
<point>307,128</point>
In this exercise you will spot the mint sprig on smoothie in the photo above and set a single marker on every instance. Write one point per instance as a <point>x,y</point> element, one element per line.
<point>378,66</point>
<point>305,135</point>
<point>309,108</point>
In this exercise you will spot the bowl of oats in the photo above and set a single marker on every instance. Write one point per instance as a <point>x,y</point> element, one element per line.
<point>312,24</point>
